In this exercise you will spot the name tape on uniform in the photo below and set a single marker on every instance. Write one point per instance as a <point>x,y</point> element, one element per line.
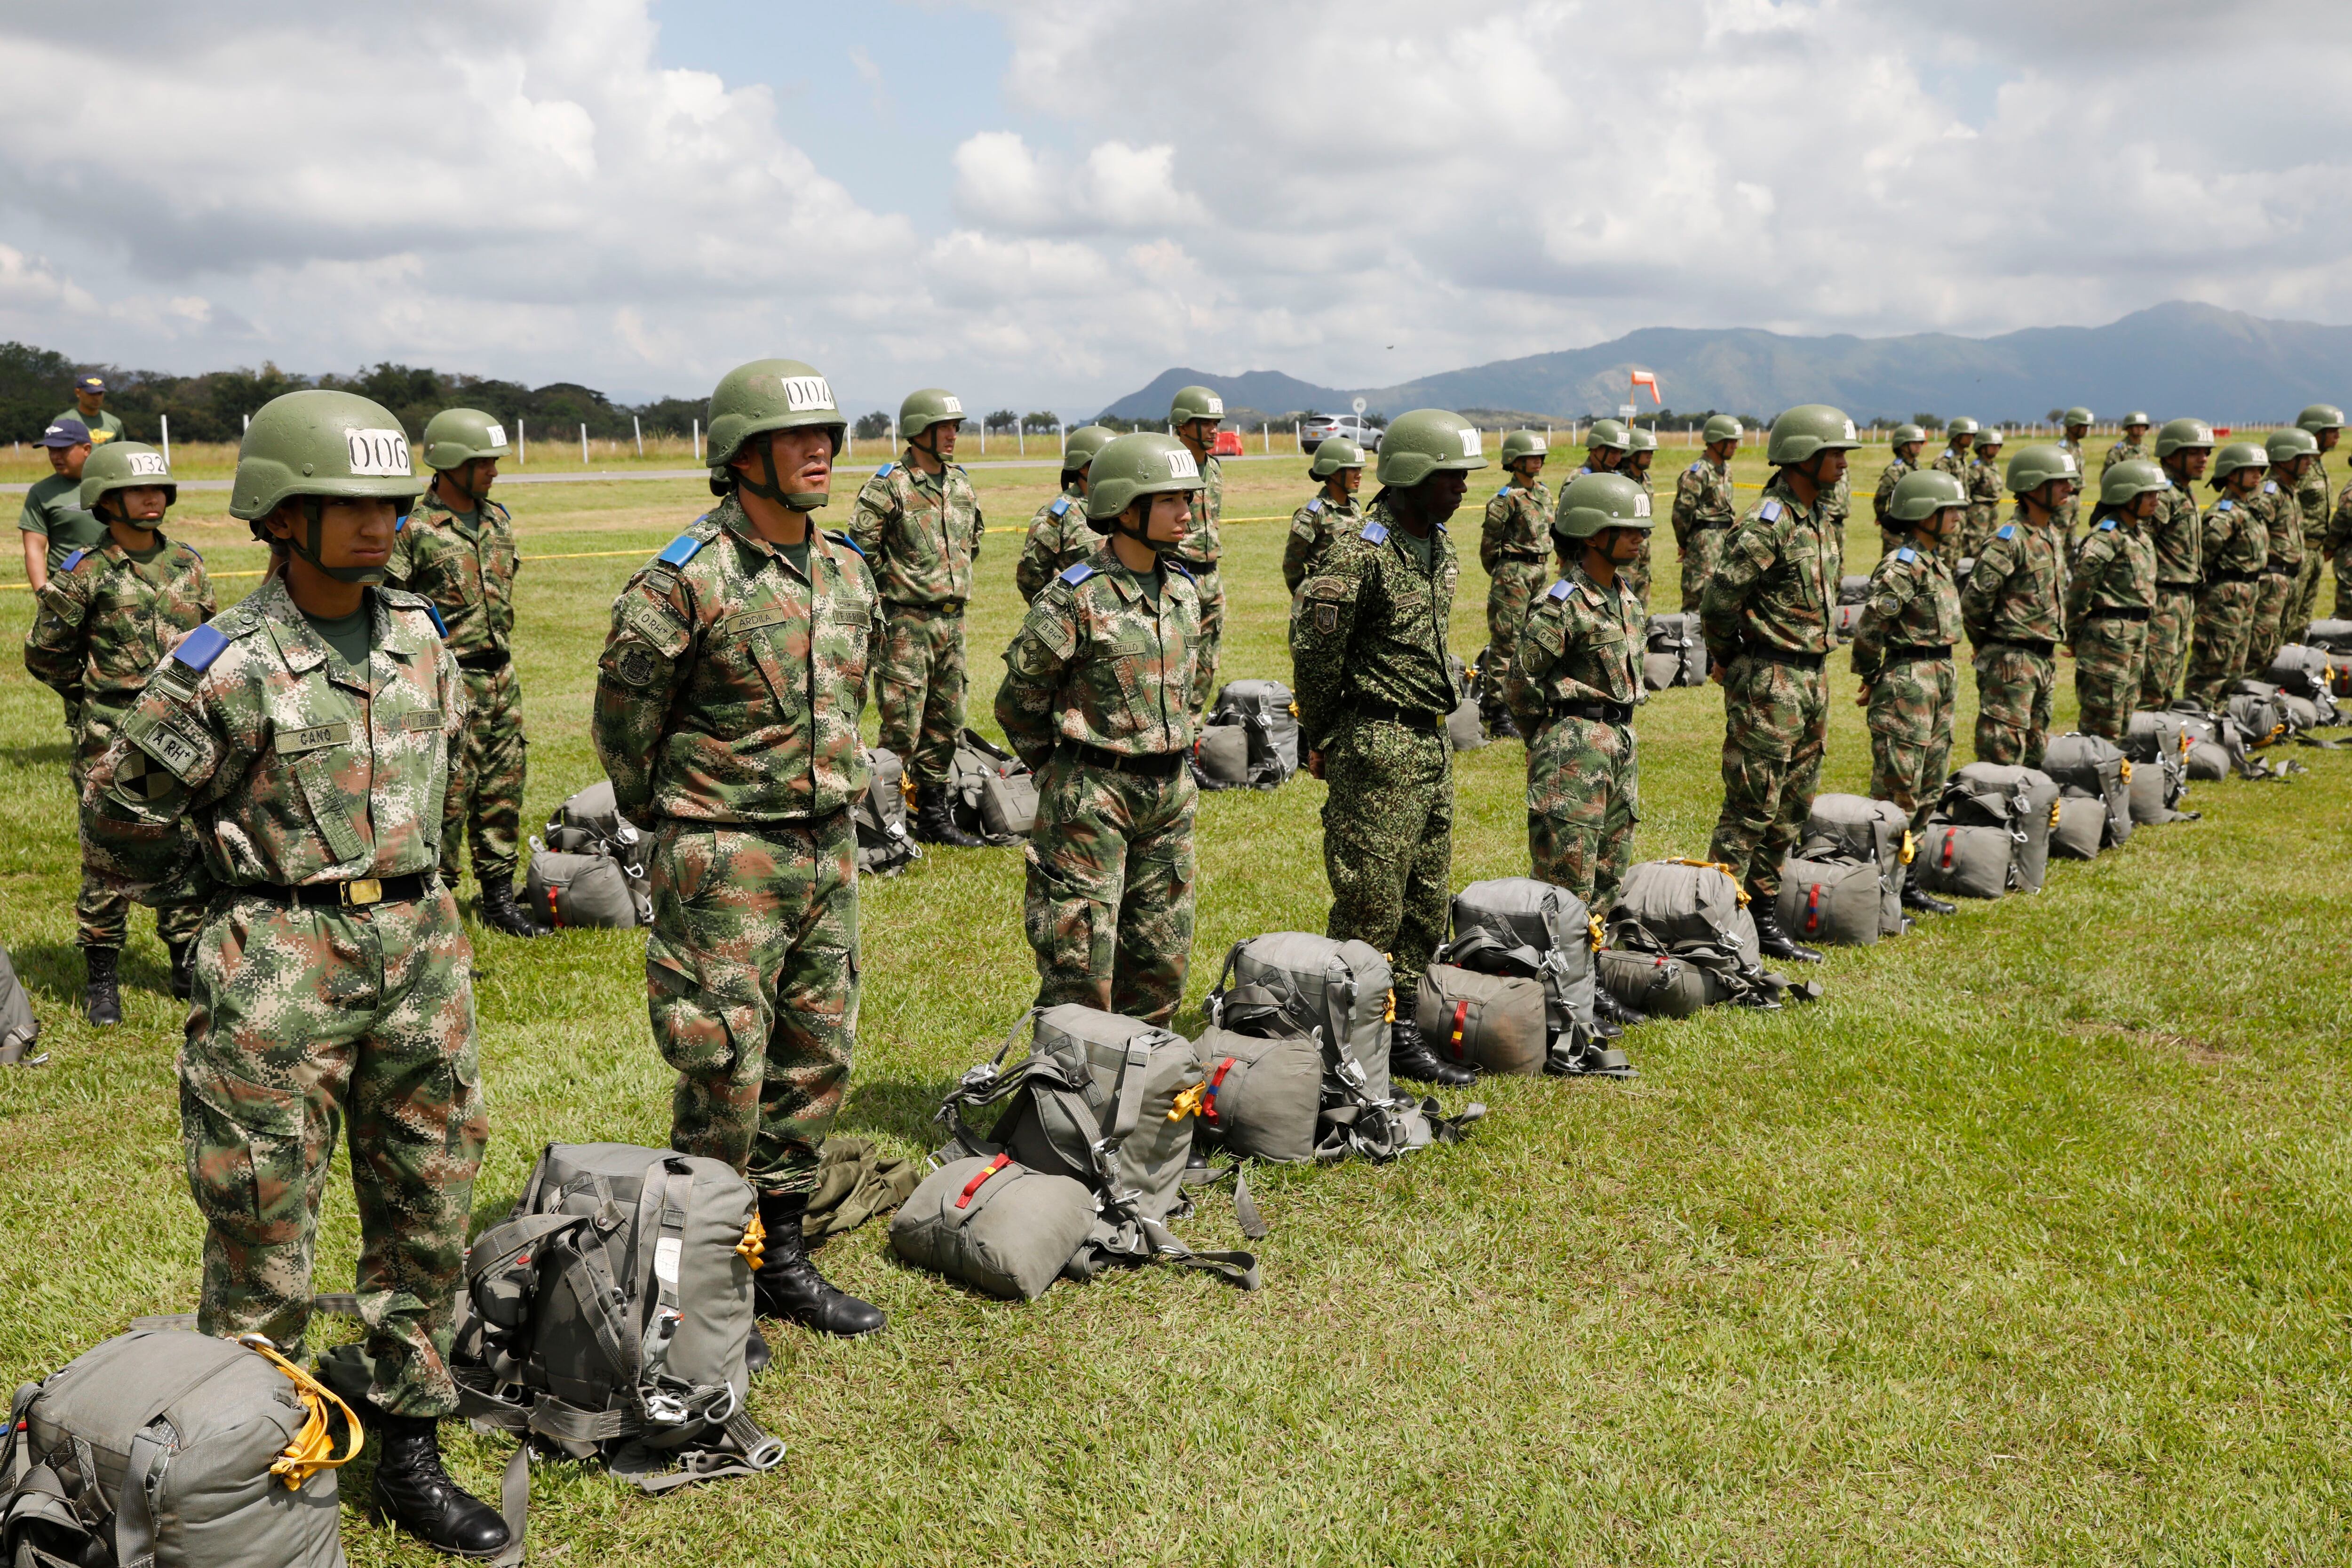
<point>146,463</point>
<point>802,393</point>
<point>378,454</point>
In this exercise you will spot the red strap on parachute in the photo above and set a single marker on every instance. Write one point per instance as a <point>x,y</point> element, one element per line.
<point>1216,1081</point>
<point>985,1171</point>
<point>1461,1013</point>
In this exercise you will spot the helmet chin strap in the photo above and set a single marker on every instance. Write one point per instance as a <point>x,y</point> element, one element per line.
<point>1143,535</point>
<point>449,477</point>
<point>309,547</point>
<point>125,519</point>
<point>767,489</point>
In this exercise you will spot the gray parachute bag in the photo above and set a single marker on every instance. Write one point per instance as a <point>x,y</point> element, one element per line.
<point>990,792</point>
<point>1692,912</point>
<point>1267,713</point>
<point>1829,896</point>
<point>1518,926</point>
<point>884,847</point>
<point>993,1224</point>
<point>2081,827</point>
<point>1221,757</point>
<point>1260,1096</point>
<point>591,869</point>
<point>1466,729</point>
<point>1493,1023</point>
<point>19,1031</point>
<point>2303,670</point>
<point>2096,768</point>
<point>2021,801</point>
<point>1967,861</point>
<point>2157,746</point>
<point>2336,636</point>
<point>1659,985</point>
<point>1857,827</point>
<point>1675,651</point>
<point>162,1446</point>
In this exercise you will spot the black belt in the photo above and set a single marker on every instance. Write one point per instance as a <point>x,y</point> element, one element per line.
<point>1531,555</point>
<point>1155,764</point>
<point>944,607</point>
<point>1767,652</point>
<point>1917,650</point>
<point>1702,524</point>
<point>357,894</point>
<point>2042,646</point>
<point>1427,723</point>
<point>496,658</point>
<point>1598,712</point>
<point>2281,569</point>
<point>2115,615</point>
<point>2178,587</point>
<point>2212,578</point>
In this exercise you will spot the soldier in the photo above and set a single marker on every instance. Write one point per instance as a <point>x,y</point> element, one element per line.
<point>1510,547</point>
<point>1959,436</point>
<point>302,743</point>
<point>90,411</point>
<point>1636,467</point>
<point>106,620</point>
<point>1704,512</point>
<point>1059,535</point>
<point>1903,652</point>
<point>728,701</point>
<point>2233,547</point>
<point>1331,513</point>
<point>1767,618</point>
<point>2110,596</point>
<point>1194,415</point>
<point>2183,449</point>
<point>2133,447</point>
<point>457,549</point>
<point>920,523</point>
<point>2312,496</point>
<point>1096,697</point>
<point>2015,612</point>
<point>1984,482</point>
<point>2077,423</point>
<point>1606,445</point>
<point>1368,644</point>
<point>2291,453</point>
<point>1892,531</point>
<point>53,522</point>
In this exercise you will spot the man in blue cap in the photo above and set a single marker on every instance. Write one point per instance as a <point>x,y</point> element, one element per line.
<point>53,522</point>
<point>90,407</point>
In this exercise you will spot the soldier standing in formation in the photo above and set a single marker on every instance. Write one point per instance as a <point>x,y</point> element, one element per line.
<point>89,409</point>
<point>2014,610</point>
<point>2133,445</point>
<point>1905,448</point>
<point>1903,652</point>
<point>2077,423</point>
<point>2291,452</point>
<point>1059,535</point>
<point>2337,546</point>
<point>2313,497</point>
<point>1984,482</point>
<point>1767,617</point>
<point>54,522</point>
<point>2110,595</point>
<point>2183,449</point>
<point>1605,446</point>
<point>302,743</point>
<point>1194,415</point>
<point>1367,652</point>
<point>1959,436</point>
<point>1704,512</point>
<point>920,523</point>
<point>1639,459</point>
<point>728,700</point>
<point>106,621</point>
<point>1511,549</point>
<point>1329,513</point>
<point>1097,700</point>
<point>2233,547</point>
<point>457,549</point>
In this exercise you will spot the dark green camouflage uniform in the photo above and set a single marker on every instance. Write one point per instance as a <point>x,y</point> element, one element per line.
<point>294,769</point>
<point>1952,460</point>
<point>1903,652</point>
<point>1839,505</point>
<point>2108,600</point>
<point>2176,539</point>
<point>2282,520</point>
<point>1512,545</point>
<point>1581,647</point>
<point>1199,554</point>
<point>1368,635</point>
<point>2235,548</point>
<point>922,532</point>
<point>1058,538</point>
<point>1313,527</point>
<point>1636,574</point>
<point>2126,452</point>
<point>1097,700</point>
<point>2339,553</point>
<point>1984,507</point>
<point>1892,535</point>
<point>1704,514</point>
<point>2311,505</point>
<point>2014,610</point>
<point>2072,512</point>
<point>728,701</point>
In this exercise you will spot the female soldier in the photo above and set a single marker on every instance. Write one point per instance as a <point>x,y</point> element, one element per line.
<point>1340,465</point>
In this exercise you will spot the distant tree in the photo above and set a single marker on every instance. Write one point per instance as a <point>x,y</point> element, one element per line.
<point>1003,419</point>
<point>873,427</point>
<point>2056,415</point>
<point>1041,423</point>
<point>1928,421</point>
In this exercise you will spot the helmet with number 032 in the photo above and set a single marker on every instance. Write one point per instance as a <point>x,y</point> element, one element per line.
<point>1334,453</point>
<point>1080,446</point>
<point>1609,433</point>
<point>2179,434</point>
<point>768,395</point>
<point>455,437</point>
<point>316,442</point>
<point>1428,441</point>
<point>1193,402</point>
<point>2127,481</point>
<point>2036,466</point>
<point>1806,431</point>
<point>2239,455</point>
<point>125,465</point>
<point>1722,428</point>
<point>1923,492</point>
<point>2078,414</point>
<point>2283,445</point>
<point>2320,416</point>
<point>1640,440</point>
<point>931,406</point>
<point>1592,502</point>
<point>1905,435</point>
<point>1524,444</point>
<point>1963,426</point>
<point>1132,467</point>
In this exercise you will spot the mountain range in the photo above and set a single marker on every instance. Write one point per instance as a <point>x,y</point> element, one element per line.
<point>2176,358</point>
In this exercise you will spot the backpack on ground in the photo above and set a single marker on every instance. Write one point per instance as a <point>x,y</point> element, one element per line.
<point>1465,727</point>
<point>1692,912</point>
<point>884,847</point>
<point>19,1031</point>
<point>990,792</point>
<point>2082,828</point>
<point>1260,1095</point>
<point>1267,714</point>
<point>2257,706</point>
<point>2094,767</point>
<point>1494,1023</point>
<point>1830,897</point>
<point>2225,743</point>
<point>1675,652</point>
<point>2021,801</point>
<point>590,871</point>
<point>2335,636</point>
<point>1660,985</point>
<point>1522,928</point>
<point>1857,827</point>
<point>2303,670</point>
<point>1854,588</point>
<point>2158,746</point>
<point>1967,860</point>
<point>1221,757</point>
<point>161,1446</point>
<point>992,1223</point>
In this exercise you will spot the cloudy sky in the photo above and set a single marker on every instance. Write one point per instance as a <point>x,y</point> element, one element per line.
<point>1047,203</point>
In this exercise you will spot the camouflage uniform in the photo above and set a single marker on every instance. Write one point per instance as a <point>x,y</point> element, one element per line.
<point>305,780</point>
<point>1096,697</point>
<point>2235,549</point>
<point>2072,512</point>
<point>1767,617</point>
<point>728,701</point>
<point>1636,574</point>
<point>2108,600</point>
<point>1058,538</point>
<point>1903,651</point>
<point>1573,689</point>
<point>106,620</point>
<point>2176,539</point>
<point>2127,452</point>
<point>465,563</point>
<point>1985,494</point>
<point>1368,644</point>
<point>1704,514</point>
<point>1955,462</point>
<point>2281,574</point>
<point>2338,544</point>
<point>1890,538</point>
<point>2311,504</point>
<point>1313,527</point>
<point>1199,554</point>
<point>2014,610</point>
<point>1840,506</point>
<point>1511,547</point>
<point>922,532</point>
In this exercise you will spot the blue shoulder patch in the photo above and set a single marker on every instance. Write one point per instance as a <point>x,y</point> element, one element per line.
<point>841,536</point>
<point>190,549</point>
<point>1696,467</point>
<point>1181,567</point>
<point>70,562</point>
<point>1077,573</point>
<point>2270,487</point>
<point>2007,531</point>
<point>439,624</point>
<point>1377,532</point>
<point>2224,504</point>
<point>1559,590</point>
<point>2108,526</point>
<point>400,523</point>
<point>883,471</point>
<point>682,549</point>
<point>1060,506</point>
<point>1316,506</point>
<point>200,648</point>
<point>1906,555</point>
<point>1771,510</point>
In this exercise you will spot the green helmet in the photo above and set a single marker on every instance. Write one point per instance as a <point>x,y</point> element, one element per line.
<point>1524,444</point>
<point>1963,426</point>
<point>2238,455</point>
<point>1923,492</point>
<point>1144,464</point>
<point>1907,434</point>
<point>2078,414</point>
<point>1080,446</point>
<point>2036,466</point>
<point>316,445</point>
<point>125,465</point>
<point>1642,440</point>
<point>455,437</point>
<point>1193,402</point>
<point>2180,432</point>
<point>2127,481</point>
<point>2284,447</point>
<point>1425,441</point>
<point>1609,433</point>
<point>931,406</point>
<point>2320,416</point>
<point>1808,429</point>
<point>1334,453</point>
<point>2136,417</point>
<point>1721,427</point>
<point>1590,502</point>
<point>1989,437</point>
<point>763,395</point>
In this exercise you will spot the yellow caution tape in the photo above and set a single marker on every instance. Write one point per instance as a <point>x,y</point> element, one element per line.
<point>313,1447</point>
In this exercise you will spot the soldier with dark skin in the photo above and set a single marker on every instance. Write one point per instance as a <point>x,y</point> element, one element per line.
<point>1904,447</point>
<point>2183,448</point>
<point>1511,549</point>
<point>1984,482</point>
<point>2133,447</point>
<point>1704,512</point>
<point>1636,467</point>
<point>2233,547</point>
<point>2077,422</point>
<point>2313,496</point>
<point>1367,653</point>
<point>1194,415</point>
<point>1960,436</point>
<point>2292,451</point>
<point>1059,535</point>
<point>2109,597</point>
<point>1329,513</point>
<point>2015,612</point>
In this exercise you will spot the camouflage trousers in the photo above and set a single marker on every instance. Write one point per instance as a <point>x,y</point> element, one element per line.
<point>1509,592</point>
<point>2108,655</point>
<point>2225,627</point>
<point>303,1018</point>
<point>1109,906</point>
<point>484,805</point>
<point>919,685</point>
<point>1910,713</point>
<point>2014,689</point>
<point>1212,584</point>
<point>2304,601</point>
<point>1584,795</point>
<point>2343,611</point>
<point>1701,552</point>
<point>2168,625</point>
<point>1388,839</point>
<point>752,983</point>
<point>102,910</point>
<point>2273,598</point>
<point>1775,734</point>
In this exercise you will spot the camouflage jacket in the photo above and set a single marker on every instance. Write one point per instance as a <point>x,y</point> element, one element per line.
<point>2282,521</point>
<point>287,768</point>
<point>1101,661</point>
<point>921,532</point>
<point>2176,536</point>
<point>1313,527</point>
<point>1984,484</point>
<point>1201,546</point>
<point>2339,522</point>
<point>1913,603</point>
<point>1583,643</point>
<point>730,685</point>
<point>1372,626</point>
<point>2114,569</point>
<point>2126,452</point>
<point>1778,580</point>
<point>1955,463</point>
<point>2311,502</point>
<point>2072,511</point>
<point>106,621</point>
<point>1884,496</point>
<point>2016,591</point>
<point>1058,538</point>
<point>1518,520</point>
<point>465,565</point>
<point>1838,503</point>
<point>1702,499</point>
<point>2233,539</point>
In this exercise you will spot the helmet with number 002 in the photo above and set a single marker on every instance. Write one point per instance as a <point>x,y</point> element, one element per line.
<point>2283,445</point>
<point>2239,455</point>
<point>1807,430</point>
<point>1081,445</point>
<point>125,465</point>
<point>2127,481</point>
<point>1722,428</point>
<point>1524,444</point>
<point>1592,502</point>
<point>2078,414</point>
<point>1608,433</point>
<point>2036,466</point>
<point>1923,492</point>
<point>2178,433</point>
<point>931,406</point>
<point>1905,435</point>
<point>1334,453</point>
<point>768,395</point>
<point>1146,463</point>
<point>455,437</point>
<point>1193,402</point>
<point>320,443</point>
<point>1640,440</point>
<point>1963,426</point>
<point>1428,441</point>
<point>2136,417</point>
<point>2320,416</point>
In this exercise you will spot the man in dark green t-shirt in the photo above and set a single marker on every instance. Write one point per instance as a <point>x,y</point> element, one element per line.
<point>53,522</point>
<point>90,408</point>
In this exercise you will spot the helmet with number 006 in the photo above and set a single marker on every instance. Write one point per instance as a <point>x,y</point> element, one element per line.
<point>455,437</point>
<point>2320,416</point>
<point>2283,445</point>
<point>1609,433</point>
<point>1640,440</point>
<point>1080,446</point>
<point>2036,466</point>
<point>2178,433</point>
<point>1524,444</point>
<point>931,406</point>
<point>1428,441</point>
<point>337,445</point>
<point>1193,402</point>
<point>2239,455</point>
<point>1907,434</point>
<point>1130,467</point>
<point>125,465</point>
<point>2127,481</point>
<point>1722,428</point>
<point>2078,414</point>
<point>1334,453</point>
<point>1923,492</point>
<point>2136,417</point>
<point>1807,430</point>
<point>1592,502</point>
<point>1963,426</point>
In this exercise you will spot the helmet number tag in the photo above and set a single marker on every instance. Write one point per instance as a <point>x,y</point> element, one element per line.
<point>146,463</point>
<point>494,435</point>
<point>802,393</point>
<point>1181,467</point>
<point>1642,505</point>
<point>378,454</point>
<point>1470,447</point>
<point>1217,406</point>
<point>1848,430</point>
<point>952,405</point>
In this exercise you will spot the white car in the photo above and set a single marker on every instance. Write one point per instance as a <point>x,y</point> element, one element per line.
<point>1313,429</point>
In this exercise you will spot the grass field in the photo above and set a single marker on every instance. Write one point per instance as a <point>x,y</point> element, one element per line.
<point>2025,1244</point>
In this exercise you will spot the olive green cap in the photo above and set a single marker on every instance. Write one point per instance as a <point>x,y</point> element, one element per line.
<point>1425,441</point>
<point>768,394</point>
<point>2320,416</point>
<point>1907,434</point>
<point>1524,444</point>
<point>1963,426</point>
<point>1146,463</point>
<point>2180,432</point>
<point>2283,445</point>
<point>2078,414</point>
<point>1608,433</point>
<point>455,437</point>
<point>2136,417</point>
<point>931,406</point>
<point>1721,427</point>
<point>1081,445</point>
<point>1808,429</point>
<point>2127,481</point>
<point>316,442</point>
<point>1334,453</point>
<point>2239,455</point>
<point>125,465</point>
<point>1193,402</point>
<point>1642,440</point>
<point>1923,492</point>
<point>1592,502</point>
<point>2037,465</point>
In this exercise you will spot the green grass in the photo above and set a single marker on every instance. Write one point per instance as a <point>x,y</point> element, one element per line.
<point>2025,1244</point>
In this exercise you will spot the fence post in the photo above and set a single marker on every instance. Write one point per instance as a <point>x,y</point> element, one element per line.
<point>638,425</point>
<point>583,443</point>
<point>165,420</point>
<point>695,436</point>
<point>248,421</point>
<point>522,445</point>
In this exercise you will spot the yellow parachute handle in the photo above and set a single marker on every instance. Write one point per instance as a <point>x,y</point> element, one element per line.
<point>1593,935</point>
<point>907,787</point>
<point>1390,1016</point>
<point>1714,866</point>
<point>2054,812</point>
<point>2127,770</point>
<point>313,1447</point>
<point>1293,710</point>
<point>1189,1103</point>
<point>1910,846</point>
<point>753,1248</point>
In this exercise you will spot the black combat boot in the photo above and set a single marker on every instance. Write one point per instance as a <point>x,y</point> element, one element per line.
<point>101,998</point>
<point>788,1285</point>
<point>1411,1058</point>
<point>1916,896</point>
<point>1774,943</point>
<point>934,824</point>
<point>419,1496</point>
<point>183,968</point>
<point>1607,1009</point>
<point>756,1353</point>
<point>500,911</point>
